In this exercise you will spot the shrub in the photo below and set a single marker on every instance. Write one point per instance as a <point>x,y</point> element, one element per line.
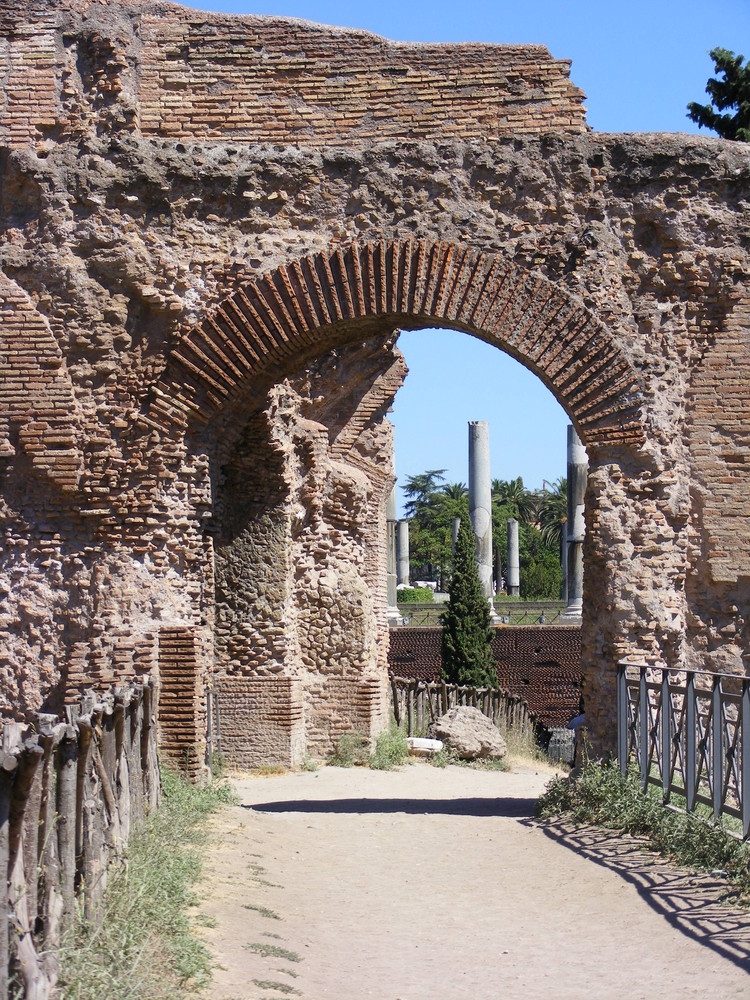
<point>352,749</point>
<point>414,595</point>
<point>391,750</point>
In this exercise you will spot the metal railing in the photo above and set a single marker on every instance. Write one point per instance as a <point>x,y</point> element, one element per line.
<point>689,733</point>
<point>508,612</point>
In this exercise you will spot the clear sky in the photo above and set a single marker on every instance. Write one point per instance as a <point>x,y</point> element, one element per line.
<point>639,63</point>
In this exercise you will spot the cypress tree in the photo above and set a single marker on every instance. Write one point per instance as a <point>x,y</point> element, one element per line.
<point>465,651</point>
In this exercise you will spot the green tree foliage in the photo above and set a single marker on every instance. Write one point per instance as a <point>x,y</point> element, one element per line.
<point>431,507</point>
<point>433,504</point>
<point>552,513</point>
<point>466,651</point>
<point>731,92</point>
<point>514,499</point>
<point>420,488</point>
<point>541,572</point>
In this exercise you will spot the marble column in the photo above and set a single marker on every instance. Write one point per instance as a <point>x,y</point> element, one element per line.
<point>480,500</point>
<point>577,474</point>
<point>513,568</point>
<point>392,612</point>
<point>402,551</point>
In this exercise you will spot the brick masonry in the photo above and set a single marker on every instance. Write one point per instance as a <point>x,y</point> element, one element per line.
<point>541,665</point>
<point>208,243</point>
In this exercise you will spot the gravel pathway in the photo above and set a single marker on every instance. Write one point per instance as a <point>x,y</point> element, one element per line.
<point>430,884</point>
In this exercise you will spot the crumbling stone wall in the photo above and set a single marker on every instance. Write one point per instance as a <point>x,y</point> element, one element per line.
<point>181,256</point>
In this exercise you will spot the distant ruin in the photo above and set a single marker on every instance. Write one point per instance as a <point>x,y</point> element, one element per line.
<point>213,228</point>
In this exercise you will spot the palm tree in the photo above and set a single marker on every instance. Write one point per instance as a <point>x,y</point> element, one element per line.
<point>515,499</point>
<point>455,491</point>
<point>553,513</point>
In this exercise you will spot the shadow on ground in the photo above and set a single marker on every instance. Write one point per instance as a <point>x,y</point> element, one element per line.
<point>691,902</point>
<point>515,808</point>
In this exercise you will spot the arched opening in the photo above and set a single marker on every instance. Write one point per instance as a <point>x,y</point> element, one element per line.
<point>286,385</point>
<point>454,379</point>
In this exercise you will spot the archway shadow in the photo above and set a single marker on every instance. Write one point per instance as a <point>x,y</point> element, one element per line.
<point>514,808</point>
<point>691,902</point>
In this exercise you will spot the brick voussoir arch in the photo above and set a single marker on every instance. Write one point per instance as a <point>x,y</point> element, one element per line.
<point>315,301</point>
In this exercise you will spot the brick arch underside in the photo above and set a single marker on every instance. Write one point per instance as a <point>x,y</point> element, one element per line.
<point>320,301</point>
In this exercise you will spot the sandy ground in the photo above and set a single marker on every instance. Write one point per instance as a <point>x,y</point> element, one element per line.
<point>429,884</point>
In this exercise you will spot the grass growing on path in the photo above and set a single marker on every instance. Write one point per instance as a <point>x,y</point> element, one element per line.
<point>602,795</point>
<point>353,750</point>
<point>145,948</point>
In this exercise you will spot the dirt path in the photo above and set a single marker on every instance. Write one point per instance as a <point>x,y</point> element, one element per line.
<point>429,884</point>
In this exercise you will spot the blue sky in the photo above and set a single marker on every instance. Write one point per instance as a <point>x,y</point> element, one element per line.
<point>639,64</point>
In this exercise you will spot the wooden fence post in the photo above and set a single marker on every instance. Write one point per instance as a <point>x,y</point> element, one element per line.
<point>8,765</point>
<point>67,782</point>
<point>51,904</point>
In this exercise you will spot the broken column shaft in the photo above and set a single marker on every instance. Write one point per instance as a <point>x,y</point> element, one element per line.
<point>402,551</point>
<point>513,566</point>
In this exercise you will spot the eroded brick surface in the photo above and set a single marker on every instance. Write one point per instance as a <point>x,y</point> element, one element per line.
<point>201,275</point>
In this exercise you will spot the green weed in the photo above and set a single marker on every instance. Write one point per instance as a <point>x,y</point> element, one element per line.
<point>352,749</point>
<point>270,984</point>
<point>262,910</point>
<point>272,950</point>
<point>391,750</point>
<point>145,948</point>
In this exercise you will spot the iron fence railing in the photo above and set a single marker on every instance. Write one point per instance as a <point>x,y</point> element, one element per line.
<point>689,733</point>
<point>508,613</point>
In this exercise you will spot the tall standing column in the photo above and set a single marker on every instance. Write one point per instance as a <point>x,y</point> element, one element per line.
<point>564,559</point>
<point>577,474</point>
<point>392,613</point>
<point>480,500</point>
<point>513,567</point>
<point>402,551</point>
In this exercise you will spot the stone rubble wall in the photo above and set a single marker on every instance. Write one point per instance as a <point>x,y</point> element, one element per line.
<point>173,308</point>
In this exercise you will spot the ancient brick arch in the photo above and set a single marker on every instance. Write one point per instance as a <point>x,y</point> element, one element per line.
<point>316,301</point>
<point>251,356</point>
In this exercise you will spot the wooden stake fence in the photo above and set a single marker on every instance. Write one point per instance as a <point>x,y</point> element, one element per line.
<point>416,703</point>
<point>70,794</point>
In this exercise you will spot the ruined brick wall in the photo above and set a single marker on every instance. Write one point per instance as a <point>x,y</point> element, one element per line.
<point>160,292</point>
<point>191,75</point>
<point>541,664</point>
<point>271,81</point>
